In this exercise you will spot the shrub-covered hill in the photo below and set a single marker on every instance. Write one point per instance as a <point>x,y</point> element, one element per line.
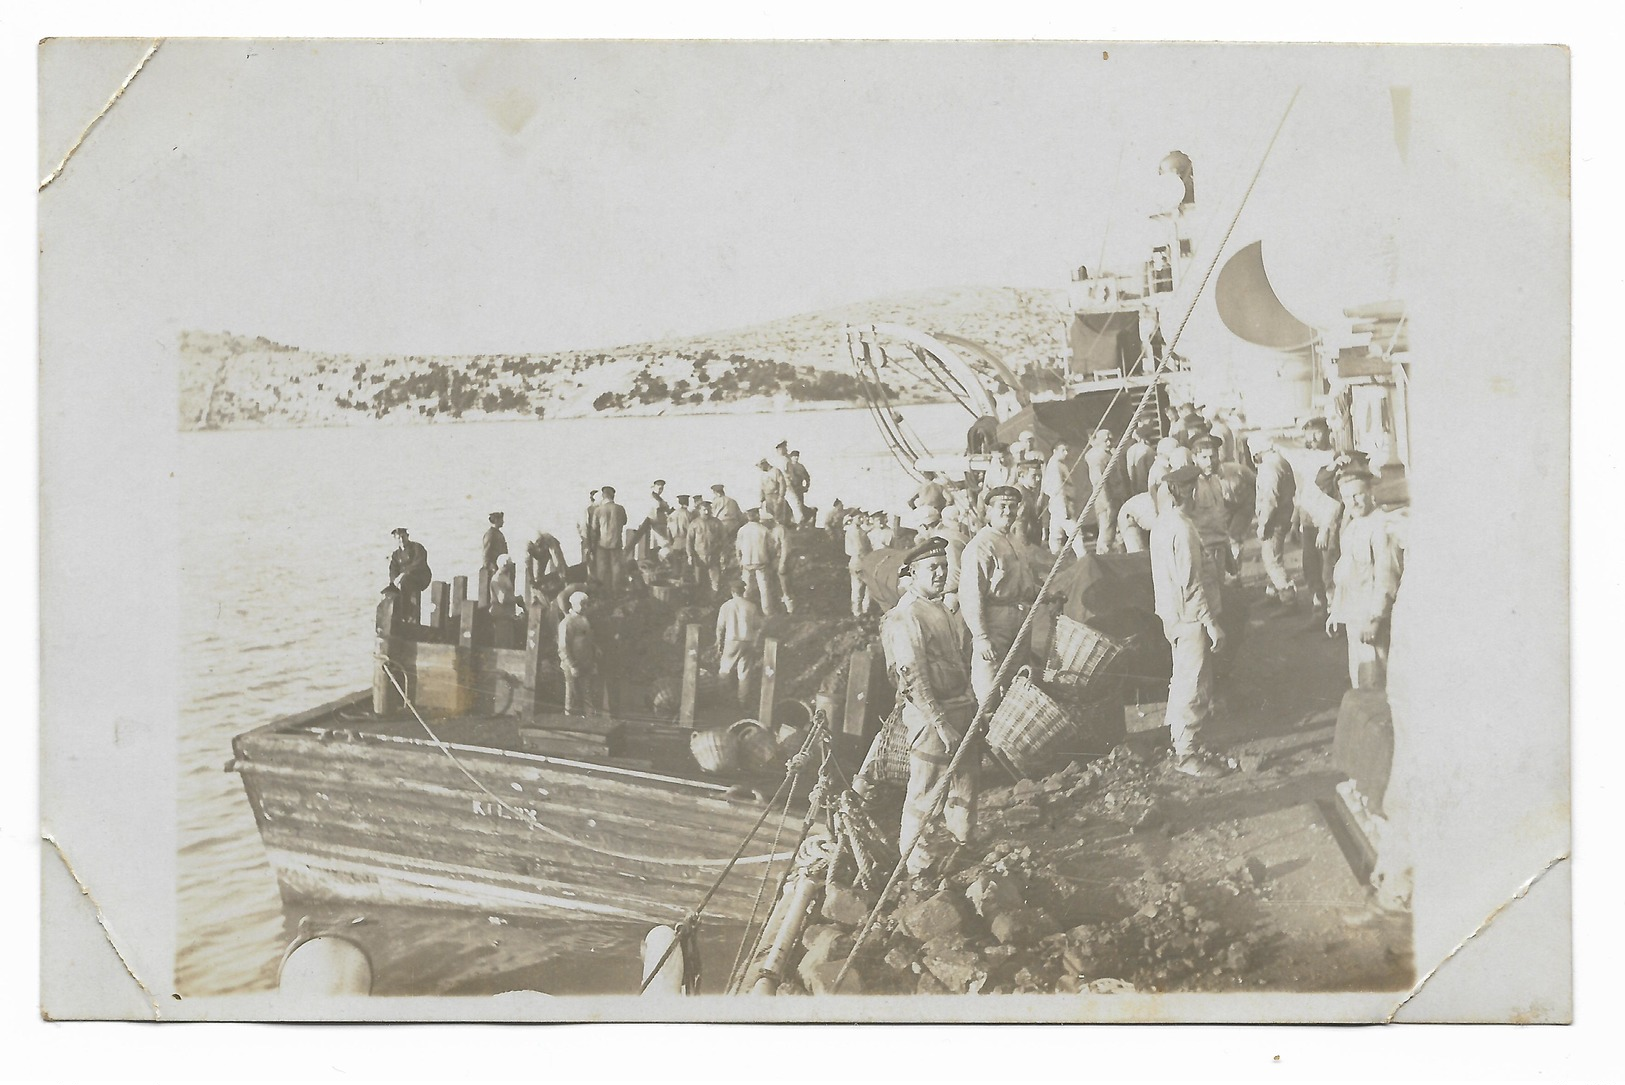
<point>230,381</point>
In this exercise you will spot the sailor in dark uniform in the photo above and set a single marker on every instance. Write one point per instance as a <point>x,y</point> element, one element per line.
<point>408,574</point>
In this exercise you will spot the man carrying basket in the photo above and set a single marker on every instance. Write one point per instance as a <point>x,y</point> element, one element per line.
<point>925,652</point>
<point>994,587</point>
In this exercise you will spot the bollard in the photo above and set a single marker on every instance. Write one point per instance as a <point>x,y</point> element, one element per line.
<point>669,980</point>
<point>326,965</point>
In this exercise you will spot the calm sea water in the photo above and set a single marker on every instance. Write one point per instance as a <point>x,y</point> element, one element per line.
<point>285,549</point>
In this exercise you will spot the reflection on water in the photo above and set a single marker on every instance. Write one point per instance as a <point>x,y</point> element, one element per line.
<point>285,547</point>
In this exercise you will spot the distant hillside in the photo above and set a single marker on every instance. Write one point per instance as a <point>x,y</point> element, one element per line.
<point>229,381</point>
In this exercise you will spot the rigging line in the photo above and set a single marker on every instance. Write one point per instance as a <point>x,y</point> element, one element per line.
<point>884,395</point>
<point>1002,675</point>
<point>746,942</point>
<point>874,409</point>
<point>530,819</point>
<point>942,375</point>
<point>881,405</point>
<point>792,775</point>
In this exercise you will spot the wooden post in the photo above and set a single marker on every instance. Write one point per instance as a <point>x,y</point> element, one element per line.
<point>459,599</point>
<point>691,676</point>
<point>464,695</point>
<point>770,670</point>
<point>440,609</point>
<point>855,718</point>
<point>384,696</point>
<point>485,588</point>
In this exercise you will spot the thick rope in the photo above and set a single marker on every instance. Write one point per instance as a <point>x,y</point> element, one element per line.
<point>761,891</point>
<point>967,743</point>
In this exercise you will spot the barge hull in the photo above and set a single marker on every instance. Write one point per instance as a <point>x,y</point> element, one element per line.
<point>383,818</point>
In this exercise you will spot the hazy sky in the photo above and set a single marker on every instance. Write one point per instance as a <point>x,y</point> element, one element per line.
<point>434,197</point>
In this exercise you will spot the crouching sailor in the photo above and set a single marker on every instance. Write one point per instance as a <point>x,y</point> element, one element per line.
<point>926,654</point>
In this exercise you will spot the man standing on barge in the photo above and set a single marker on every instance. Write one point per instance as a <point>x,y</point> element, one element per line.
<point>493,545</point>
<point>705,542</point>
<point>608,522</point>
<point>925,654</point>
<point>578,656</point>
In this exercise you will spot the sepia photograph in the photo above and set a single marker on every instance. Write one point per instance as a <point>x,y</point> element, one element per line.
<point>805,531</point>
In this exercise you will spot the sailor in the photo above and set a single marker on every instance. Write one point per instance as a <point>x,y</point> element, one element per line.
<point>1034,506</point>
<point>504,592</point>
<point>1217,498</point>
<point>578,656</point>
<point>757,555</point>
<point>653,524</point>
<point>544,566</point>
<point>881,534</point>
<point>800,480</point>
<point>492,546</point>
<point>1139,456</point>
<point>677,531</point>
<point>1108,487</point>
<point>1135,520</point>
<point>994,587</point>
<point>608,520</point>
<point>740,625</point>
<point>1185,588</point>
<point>931,492</point>
<point>833,521</point>
<point>925,654</point>
<point>728,513</point>
<point>951,530</point>
<point>1366,581</point>
<point>408,575</point>
<point>1318,511</point>
<point>1059,491</point>
<point>1171,455</point>
<point>855,541</point>
<point>773,486</point>
<point>584,529</point>
<point>706,542</point>
<point>1274,499</point>
<point>779,543</point>
<point>1221,429</point>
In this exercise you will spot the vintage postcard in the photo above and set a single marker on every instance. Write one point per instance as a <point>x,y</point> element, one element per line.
<point>804,531</point>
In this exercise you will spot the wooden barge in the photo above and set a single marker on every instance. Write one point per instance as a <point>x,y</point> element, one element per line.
<point>470,793</point>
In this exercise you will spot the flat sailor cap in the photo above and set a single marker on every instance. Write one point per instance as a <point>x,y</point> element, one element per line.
<point>932,547</point>
<point>1004,491</point>
<point>1180,476</point>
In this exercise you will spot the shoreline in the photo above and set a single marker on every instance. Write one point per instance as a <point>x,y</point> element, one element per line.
<point>733,407</point>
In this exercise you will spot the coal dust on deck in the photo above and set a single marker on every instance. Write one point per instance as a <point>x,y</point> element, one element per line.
<point>1124,874</point>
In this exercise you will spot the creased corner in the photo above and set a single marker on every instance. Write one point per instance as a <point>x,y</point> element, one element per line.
<point>94,121</point>
<point>1521,892</point>
<point>101,919</point>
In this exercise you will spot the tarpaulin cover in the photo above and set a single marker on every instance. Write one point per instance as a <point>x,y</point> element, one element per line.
<point>1104,341</point>
<point>1075,418</point>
